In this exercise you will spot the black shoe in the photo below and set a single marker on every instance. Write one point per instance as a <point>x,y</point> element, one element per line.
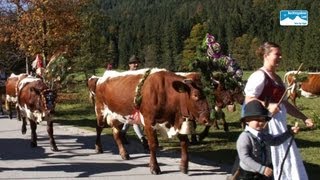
<point>124,138</point>
<point>144,143</point>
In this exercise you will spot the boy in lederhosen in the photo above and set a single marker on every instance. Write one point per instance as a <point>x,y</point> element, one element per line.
<point>253,144</point>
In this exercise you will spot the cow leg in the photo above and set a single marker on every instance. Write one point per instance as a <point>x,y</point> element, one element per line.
<point>224,122</point>
<point>1,108</point>
<point>8,108</point>
<point>33,127</point>
<point>98,145</point>
<point>18,112</point>
<point>153,144</point>
<point>184,163</point>
<point>194,139</point>
<point>51,138</point>
<point>24,126</point>
<point>204,133</point>
<point>215,123</point>
<point>117,137</point>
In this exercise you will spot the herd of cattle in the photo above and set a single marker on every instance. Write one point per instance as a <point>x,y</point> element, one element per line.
<point>160,100</point>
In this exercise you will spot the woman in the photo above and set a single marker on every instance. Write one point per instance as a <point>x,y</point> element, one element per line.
<point>267,87</point>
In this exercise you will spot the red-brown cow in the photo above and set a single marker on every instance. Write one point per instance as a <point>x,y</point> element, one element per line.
<point>152,97</point>
<point>222,98</point>
<point>11,93</point>
<point>309,87</point>
<point>36,103</point>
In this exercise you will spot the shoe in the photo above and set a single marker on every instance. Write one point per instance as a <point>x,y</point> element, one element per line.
<point>144,143</point>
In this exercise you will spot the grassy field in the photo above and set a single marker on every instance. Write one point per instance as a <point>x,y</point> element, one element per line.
<point>74,108</point>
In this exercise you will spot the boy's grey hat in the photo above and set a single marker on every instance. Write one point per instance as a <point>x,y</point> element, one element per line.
<point>255,109</point>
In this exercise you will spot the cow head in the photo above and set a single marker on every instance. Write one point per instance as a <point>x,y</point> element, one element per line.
<point>193,103</point>
<point>227,96</point>
<point>47,99</point>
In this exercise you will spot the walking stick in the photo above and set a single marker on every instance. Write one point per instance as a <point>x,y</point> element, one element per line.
<point>291,140</point>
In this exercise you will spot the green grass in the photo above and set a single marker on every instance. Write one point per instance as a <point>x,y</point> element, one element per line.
<point>76,109</point>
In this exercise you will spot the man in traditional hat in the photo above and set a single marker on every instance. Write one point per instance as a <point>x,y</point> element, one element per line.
<point>134,63</point>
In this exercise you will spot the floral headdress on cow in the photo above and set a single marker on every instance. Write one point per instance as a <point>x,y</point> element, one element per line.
<point>214,48</point>
<point>216,67</point>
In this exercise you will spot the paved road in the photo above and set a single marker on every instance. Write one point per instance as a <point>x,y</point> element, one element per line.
<point>77,159</point>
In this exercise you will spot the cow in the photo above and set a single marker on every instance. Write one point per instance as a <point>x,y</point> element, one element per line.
<point>223,98</point>
<point>156,98</point>
<point>305,84</point>
<point>11,93</point>
<point>36,103</point>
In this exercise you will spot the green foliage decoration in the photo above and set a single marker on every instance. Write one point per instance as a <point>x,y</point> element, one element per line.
<point>138,96</point>
<point>301,77</point>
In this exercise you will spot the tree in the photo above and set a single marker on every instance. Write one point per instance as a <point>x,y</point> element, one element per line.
<point>43,26</point>
<point>195,39</point>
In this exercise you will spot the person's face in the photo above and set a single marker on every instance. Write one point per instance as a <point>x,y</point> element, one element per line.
<point>257,123</point>
<point>133,66</point>
<point>273,57</point>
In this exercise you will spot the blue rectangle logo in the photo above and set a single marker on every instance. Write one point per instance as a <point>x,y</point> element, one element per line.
<point>293,17</point>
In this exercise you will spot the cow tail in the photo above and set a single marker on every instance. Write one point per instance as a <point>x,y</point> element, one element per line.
<point>6,104</point>
<point>92,91</point>
<point>92,97</point>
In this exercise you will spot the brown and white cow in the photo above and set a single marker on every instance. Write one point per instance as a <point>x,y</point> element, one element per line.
<point>309,86</point>
<point>156,98</point>
<point>11,93</point>
<point>36,103</point>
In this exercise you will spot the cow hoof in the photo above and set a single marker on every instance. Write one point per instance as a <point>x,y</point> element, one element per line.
<point>202,136</point>
<point>184,170</point>
<point>155,171</point>
<point>226,128</point>
<point>54,149</point>
<point>99,150</point>
<point>125,156</point>
<point>194,140</point>
<point>23,130</point>
<point>33,144</point>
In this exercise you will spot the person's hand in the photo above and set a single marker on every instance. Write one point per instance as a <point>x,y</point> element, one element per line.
<point>268,172</point>
<point>273,108</point>
<point>309,123</point>
<point>295,129</point>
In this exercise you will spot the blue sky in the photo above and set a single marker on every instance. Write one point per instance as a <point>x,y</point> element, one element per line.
<point>293,13</point>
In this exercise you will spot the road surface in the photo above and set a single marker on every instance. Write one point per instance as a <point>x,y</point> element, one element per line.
<point>77,158</point>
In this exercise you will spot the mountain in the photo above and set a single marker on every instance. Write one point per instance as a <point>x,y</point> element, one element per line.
<point>294,22</point>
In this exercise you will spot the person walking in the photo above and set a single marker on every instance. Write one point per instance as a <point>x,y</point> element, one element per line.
<point>134,63</point>
<point>267,87</point>
<point>253,144</point>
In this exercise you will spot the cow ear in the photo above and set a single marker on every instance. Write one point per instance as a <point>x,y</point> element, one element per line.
<point>180,86</point>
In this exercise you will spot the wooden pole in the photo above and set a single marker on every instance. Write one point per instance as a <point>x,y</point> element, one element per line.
<point>27,65</point>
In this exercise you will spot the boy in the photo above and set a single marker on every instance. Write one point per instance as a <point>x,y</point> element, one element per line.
<point>253,145</point>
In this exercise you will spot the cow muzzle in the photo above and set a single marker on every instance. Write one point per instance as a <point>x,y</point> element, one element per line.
<point>204,118</point>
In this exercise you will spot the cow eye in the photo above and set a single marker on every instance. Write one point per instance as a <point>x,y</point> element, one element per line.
<point>196,95</point>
